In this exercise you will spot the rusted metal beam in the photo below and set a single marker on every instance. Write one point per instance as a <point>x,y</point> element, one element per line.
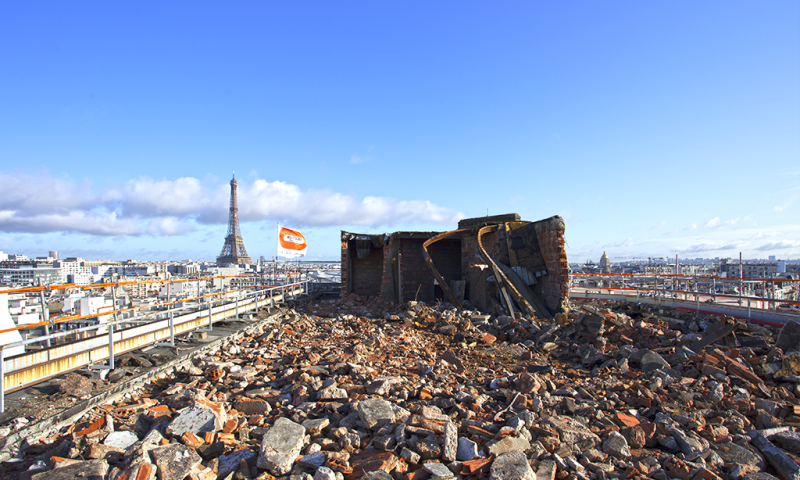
<point>445,288</point>
<point>501,277</point>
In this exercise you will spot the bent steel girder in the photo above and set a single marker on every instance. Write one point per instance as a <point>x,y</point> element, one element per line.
<point>501,277</point>
<point>445,288</point>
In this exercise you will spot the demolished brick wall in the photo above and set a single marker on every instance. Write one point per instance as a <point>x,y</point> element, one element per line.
<point>403,274</point>
<point>367,273</point>
<point>417,279</point>
<point>554,287</point>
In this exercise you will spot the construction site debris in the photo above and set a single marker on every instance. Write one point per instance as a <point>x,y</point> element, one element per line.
<point>351,388</point>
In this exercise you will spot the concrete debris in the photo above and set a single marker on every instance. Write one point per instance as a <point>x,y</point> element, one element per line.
<point>76,385</point>
<point>355,388</point>
<point>121,439</point>
<point>280,446</point>
<point>511,466</point>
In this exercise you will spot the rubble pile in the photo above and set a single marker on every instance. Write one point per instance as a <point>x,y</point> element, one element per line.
<point>340,390</point>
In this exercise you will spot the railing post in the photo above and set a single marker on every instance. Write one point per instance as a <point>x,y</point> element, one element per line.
<point>698,302</point>
<point>45,315</point>
<point>237,305</point>
<point>111,347</point>
<point>169,297</point>
<point>2,381</point>
<point>171,319</point>
<point>271,298</point>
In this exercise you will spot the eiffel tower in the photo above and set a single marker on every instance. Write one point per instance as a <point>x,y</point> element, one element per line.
<point>233,251</point>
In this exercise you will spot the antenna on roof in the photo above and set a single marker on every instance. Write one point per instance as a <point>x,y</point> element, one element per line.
<point>234,173</point>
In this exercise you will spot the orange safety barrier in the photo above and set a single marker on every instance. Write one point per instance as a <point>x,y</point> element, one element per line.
<point>64,286</point>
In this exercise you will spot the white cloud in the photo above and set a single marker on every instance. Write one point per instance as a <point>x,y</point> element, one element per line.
<point>660,225</point>
<point>43,194</point>
<point>765,234</point>
<point>104,224</point>
<point>171,207</point>
<point>170,226</point>
<point>283,201</point>
<point>778,208</point>
<point>779,245</point>
<point>145,196</point>
<point>716,223</point>
<point>710,247</point>
<point>356,159</point>
<point>620,243</point>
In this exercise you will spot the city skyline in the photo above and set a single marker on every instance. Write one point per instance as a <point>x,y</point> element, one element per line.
<point>653,130</point>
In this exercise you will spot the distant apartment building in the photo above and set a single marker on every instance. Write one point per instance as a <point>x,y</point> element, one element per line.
<point>731,269</point>
<point>74,271</point>
<point>141,289</point>
<point>176,289</point>
<point>190,269</point>
<point>669,269</point>
<point>662,269</point>
<point>110,270</point>
<point>27,275</point>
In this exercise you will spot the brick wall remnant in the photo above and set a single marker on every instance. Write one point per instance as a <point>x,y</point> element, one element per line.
<point>392,266</point>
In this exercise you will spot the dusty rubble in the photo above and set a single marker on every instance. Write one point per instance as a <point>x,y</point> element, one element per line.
<point>345,389</point>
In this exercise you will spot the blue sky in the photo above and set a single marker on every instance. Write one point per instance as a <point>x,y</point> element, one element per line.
<point>653,128</point>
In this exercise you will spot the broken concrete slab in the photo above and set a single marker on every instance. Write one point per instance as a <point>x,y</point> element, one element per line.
<point>87,469</point>
<point>280,446</point>
<point>511,466</point>
<point>174,461</point>
<point>196,420</point>
<point>121,439</point>
<point>375,413</point>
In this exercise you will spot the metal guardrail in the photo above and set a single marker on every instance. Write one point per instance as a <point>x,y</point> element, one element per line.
<point>775,317</point>
<point>680,285</point>
<point>32,367</point>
